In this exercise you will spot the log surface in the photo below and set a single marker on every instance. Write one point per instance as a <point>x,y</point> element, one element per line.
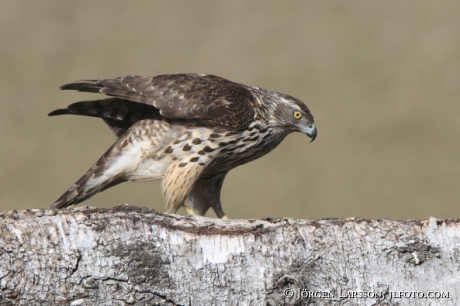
<point>134,256</point>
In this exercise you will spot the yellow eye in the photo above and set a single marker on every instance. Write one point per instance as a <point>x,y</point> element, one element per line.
<point>297,115</point>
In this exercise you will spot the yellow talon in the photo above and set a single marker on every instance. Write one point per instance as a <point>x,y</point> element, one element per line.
<point>219,212</point>
<point>190,211</point>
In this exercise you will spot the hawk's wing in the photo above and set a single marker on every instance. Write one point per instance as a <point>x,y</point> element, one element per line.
<point>188,96</point>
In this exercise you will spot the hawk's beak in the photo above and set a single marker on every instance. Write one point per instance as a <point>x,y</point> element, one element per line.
<point>311,132</point>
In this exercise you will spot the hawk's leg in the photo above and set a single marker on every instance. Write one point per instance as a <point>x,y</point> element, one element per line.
<point>205,194</point>
<point>212,192</point>
<point>196,203</point>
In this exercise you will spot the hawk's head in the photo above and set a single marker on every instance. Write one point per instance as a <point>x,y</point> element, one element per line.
<point>292,115</point>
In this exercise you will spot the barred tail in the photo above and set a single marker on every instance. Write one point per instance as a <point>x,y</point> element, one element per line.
<point>104,174</point>
<point>76,194</point>
<point>118,114</point>
<point>84,188</point>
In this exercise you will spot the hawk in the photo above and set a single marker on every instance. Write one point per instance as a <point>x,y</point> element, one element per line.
<point>187,129</point>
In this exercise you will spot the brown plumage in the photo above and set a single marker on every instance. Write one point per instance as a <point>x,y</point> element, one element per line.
<point>187,129</point>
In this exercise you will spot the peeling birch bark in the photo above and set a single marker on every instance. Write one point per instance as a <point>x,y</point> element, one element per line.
<point>135,256</point>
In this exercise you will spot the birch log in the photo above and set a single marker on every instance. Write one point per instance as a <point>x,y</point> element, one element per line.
<point>135,256</point>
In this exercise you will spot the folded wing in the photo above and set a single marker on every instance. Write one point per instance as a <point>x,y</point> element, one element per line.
<point>203,97</point>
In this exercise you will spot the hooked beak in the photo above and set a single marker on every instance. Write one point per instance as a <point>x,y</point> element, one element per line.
<point>311,132</point>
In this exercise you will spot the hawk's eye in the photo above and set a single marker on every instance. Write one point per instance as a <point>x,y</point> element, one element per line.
<point>297,115</point>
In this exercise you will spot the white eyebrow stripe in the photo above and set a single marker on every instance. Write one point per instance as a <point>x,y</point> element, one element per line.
<point>292,104</point>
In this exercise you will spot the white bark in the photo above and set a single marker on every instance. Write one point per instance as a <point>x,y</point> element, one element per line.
<point>129,255</point>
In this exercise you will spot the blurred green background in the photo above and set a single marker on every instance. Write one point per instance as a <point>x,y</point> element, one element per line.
<point>382,79</point>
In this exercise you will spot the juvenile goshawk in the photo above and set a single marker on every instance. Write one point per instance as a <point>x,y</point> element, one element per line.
<point>187,129</point>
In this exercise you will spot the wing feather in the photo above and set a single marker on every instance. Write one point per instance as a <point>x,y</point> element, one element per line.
<point>208,98</point>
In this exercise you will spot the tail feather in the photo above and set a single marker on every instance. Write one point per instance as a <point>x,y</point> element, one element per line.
<point>111,108</point>
<point>84,188</point>
<point>98,178</point>
<point>75,194</point>
<point>117,113</point>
